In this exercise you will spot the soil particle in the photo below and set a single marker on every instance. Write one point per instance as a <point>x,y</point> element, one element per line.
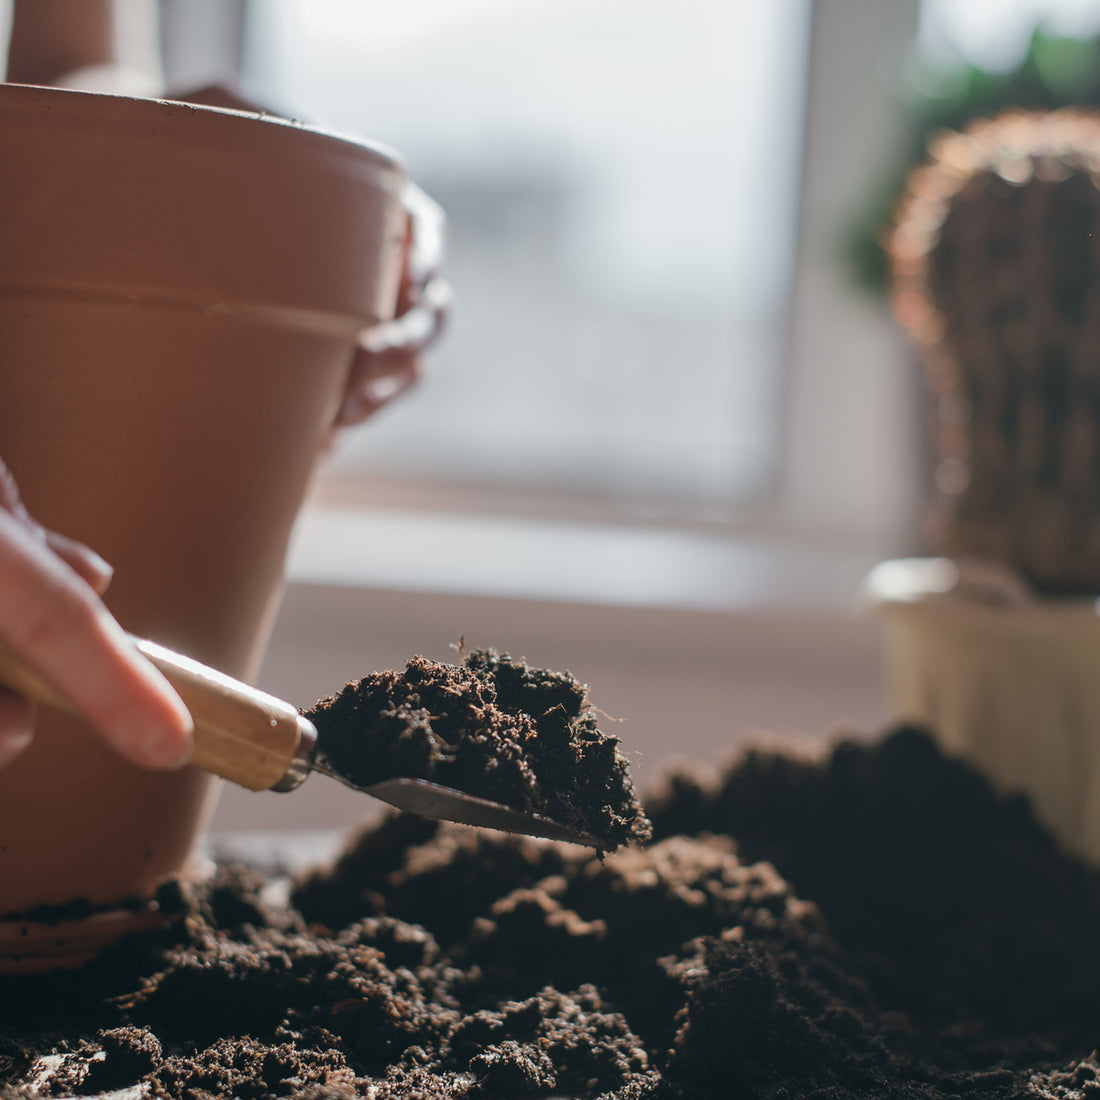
<point>956,904</point>
<point>128,1054</point>
<point>494,727</point>
<point>868,921</point>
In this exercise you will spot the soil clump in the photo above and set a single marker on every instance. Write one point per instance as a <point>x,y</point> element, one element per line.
<point>493,726</point>
<point>866,921</point>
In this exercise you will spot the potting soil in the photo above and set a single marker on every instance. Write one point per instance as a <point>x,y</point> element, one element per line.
<point>868,921</point>
<point>493,726</point>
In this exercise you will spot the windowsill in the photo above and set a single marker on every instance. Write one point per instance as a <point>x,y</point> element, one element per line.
<point>644,566</point>
<point>692,640</point>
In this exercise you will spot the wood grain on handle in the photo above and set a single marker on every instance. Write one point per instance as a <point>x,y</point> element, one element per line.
<point>241,734</point>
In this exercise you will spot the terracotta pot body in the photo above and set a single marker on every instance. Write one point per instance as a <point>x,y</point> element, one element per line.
<point>181,290</point>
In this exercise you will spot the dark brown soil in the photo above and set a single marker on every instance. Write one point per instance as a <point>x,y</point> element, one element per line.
<point>494,727</point>
<point>914,936</point>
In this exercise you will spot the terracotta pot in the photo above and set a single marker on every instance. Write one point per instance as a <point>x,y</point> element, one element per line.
<point>181,291</point>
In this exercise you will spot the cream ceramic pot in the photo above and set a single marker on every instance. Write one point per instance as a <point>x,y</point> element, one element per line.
<point>181,291</point>
<point>1001,678</point>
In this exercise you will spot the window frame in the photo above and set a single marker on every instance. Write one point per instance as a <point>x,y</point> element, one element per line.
<point>849,467</point>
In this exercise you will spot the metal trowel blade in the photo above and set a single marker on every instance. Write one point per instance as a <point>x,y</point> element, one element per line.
<point>420,796</point>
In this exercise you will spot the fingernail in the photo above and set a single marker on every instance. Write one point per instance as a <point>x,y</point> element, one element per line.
<point>165,747</point>
<point>101,566</point>
<point>380,390</point>
<point>101,571</point>
<point>380,339</point>
<point>13,743</point>
<point>153,677</point>
<point>95,570</point>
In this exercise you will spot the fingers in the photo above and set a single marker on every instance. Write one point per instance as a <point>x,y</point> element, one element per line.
<point>420,324</point>
<point>84,561</point>
<point>16,725</point>
<point>87,563</point>
<point>51,617</point>
<point>424,242</point>
<point>390,359</point>
<point>9,493</point>
<point>374,381</point>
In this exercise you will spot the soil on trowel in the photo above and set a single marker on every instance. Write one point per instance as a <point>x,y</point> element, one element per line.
<point>525,737</point>
<point>867,921</point>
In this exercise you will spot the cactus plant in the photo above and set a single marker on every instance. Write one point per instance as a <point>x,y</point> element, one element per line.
<point>995,260</point>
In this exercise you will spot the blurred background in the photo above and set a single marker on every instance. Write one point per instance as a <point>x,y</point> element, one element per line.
<point>672,424</point>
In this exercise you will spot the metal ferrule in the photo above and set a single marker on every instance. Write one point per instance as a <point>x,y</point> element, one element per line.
<point>302,763</point>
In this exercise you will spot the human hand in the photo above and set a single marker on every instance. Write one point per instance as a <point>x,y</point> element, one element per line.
<point>390,357</point>
<point>51,617</point>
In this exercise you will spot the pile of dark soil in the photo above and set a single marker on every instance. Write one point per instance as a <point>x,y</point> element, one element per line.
<point>494,727</point>
<point>870,922</point>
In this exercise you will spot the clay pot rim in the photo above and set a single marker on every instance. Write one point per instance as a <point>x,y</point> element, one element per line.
<point>262,220</point>
<point>273,127</point>
<point>916,588</point>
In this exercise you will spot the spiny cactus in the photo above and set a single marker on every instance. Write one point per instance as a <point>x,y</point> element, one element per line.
<point>996,274</point>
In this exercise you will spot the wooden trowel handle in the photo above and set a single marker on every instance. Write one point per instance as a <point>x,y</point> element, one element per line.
<point>241,734</point>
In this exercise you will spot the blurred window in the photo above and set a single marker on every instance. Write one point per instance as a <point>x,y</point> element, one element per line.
<point>994,34</point>
<point>621,181</point>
